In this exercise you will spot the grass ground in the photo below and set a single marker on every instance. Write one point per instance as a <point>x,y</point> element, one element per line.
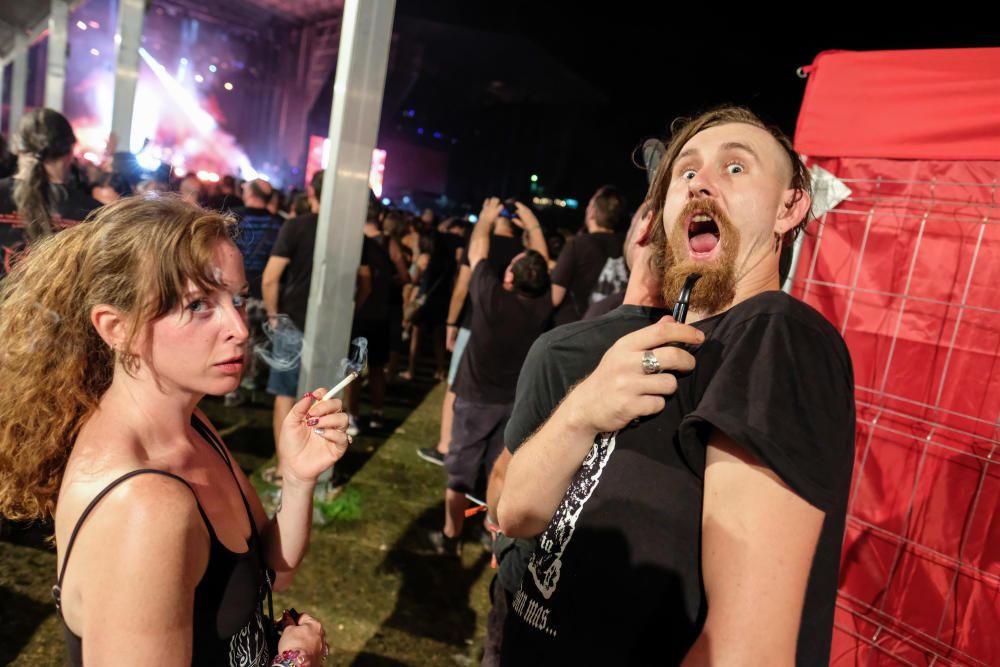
<point>383,598</point>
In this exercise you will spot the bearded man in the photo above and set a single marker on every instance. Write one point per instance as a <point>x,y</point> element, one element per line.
<point>695,516</point>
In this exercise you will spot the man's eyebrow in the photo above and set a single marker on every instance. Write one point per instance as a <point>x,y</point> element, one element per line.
<point>736,145</point>
<point>685,153</point>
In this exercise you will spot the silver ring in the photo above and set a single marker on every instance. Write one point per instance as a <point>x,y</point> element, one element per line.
<point>650,364</point>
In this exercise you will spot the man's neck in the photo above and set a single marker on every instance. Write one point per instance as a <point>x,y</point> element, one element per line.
<point>644,288</point>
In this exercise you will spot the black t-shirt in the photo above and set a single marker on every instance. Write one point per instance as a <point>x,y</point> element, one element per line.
<point>70,201</point>
<point>297,242</point>
<point>374,255</point>
<point>504,325</point>
<point>582,265</point>
<point>616,578</point>
<point>503,250</point>
<point>558,360</point>
<point>562,357</point>
<point>605,305</point>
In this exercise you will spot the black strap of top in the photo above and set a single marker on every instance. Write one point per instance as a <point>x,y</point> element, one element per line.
<point>57,589</point>
<point>217,445</point>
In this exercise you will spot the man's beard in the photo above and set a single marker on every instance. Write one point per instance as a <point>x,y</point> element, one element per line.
<point>716,288</point>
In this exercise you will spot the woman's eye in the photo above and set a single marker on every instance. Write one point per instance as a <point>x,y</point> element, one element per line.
<point>735,168</point>
<point>688,174</point>
<point>197,306</point>
<point>240,300</point>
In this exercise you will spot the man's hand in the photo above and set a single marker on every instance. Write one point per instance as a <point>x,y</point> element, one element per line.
<point>619,390</point>
<point>613,395</point>
<point>525,218</point>
<point>492,207</point>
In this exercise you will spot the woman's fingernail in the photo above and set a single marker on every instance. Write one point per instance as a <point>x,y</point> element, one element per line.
<point>318,431</point>
<point>308,394</point>
<point>312,421</point>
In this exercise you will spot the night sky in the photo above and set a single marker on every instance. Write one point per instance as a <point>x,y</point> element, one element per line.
<point>655,65</point>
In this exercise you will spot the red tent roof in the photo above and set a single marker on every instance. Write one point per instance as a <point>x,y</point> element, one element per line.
<point>931,104</point>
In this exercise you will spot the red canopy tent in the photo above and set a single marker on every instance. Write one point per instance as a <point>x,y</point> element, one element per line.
<point>908,268</point>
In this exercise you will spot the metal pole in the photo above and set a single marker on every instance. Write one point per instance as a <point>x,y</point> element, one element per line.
<point>19,84</point>
<point>55,70</point>
<point>127,36</point>
<point>357,104</point>
<point>3,69</point>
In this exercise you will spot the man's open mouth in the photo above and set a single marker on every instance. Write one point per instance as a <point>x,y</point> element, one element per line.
<point>703,234</point>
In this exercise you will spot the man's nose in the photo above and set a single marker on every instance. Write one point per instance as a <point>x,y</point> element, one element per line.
<point>701,185</point>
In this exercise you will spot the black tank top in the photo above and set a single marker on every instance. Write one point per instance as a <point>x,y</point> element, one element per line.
<point>228,601</point>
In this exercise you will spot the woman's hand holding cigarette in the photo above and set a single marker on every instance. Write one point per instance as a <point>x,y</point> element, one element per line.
<point>313,437</point>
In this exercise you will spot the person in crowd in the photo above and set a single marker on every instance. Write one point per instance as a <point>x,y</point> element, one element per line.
<point>285,287</point>
<point>395,229</point>
<point>111,332</point>
<point>437,265</point>
<point>591,265</point>
<point>42,193</point>
<point>709,499</point>
<point>382,271</point>
<point>257,231</point>
<point>617,298</point>
<point>190,188</point>
<point>505,244</point>
<point>508,314</point>
<point>301,205</point>
<point>226,197</point>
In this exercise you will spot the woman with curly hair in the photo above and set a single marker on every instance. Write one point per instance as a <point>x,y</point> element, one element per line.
<point>111,332</point>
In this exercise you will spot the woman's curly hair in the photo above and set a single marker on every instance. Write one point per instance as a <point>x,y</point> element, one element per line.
<point>138,255</point>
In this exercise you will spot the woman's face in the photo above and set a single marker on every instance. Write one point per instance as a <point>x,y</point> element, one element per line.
<point>201,346</point>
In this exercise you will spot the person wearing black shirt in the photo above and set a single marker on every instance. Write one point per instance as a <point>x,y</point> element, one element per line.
<point>285,287</point>
<point>374,312</point>
<point>591,265</point>
<point>505,244</point>
<point>507,315</point>
<point>42,197</point>
<point>696,516</point>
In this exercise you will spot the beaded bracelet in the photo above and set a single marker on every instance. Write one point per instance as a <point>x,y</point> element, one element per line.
<point>291,658</point>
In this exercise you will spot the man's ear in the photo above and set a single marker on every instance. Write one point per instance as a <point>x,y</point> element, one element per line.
<point>645,230</point>
<point>109,323</point>
<point>792,211</point>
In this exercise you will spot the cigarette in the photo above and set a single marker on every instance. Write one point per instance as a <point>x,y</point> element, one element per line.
<point>475,500</point>
<point>351,377</point>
